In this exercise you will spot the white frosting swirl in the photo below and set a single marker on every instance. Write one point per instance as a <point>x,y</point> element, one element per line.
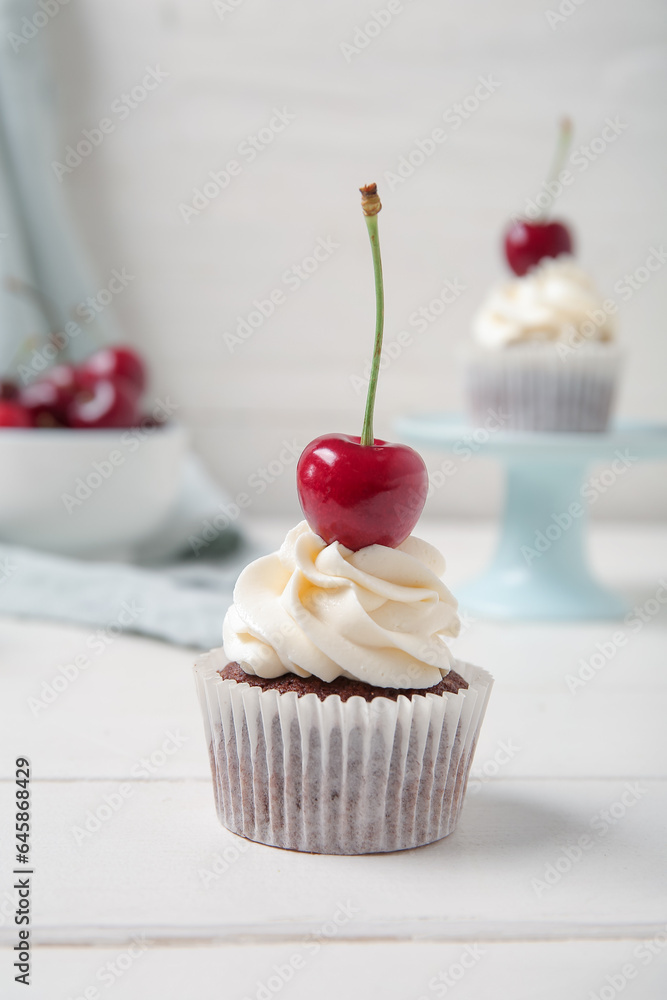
<point>556,301</point>
<point>378,615</point>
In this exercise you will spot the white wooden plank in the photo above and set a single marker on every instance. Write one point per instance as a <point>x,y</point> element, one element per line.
<point>150,866</point>
<point>526,971</point>
<point>121,708</point>
<point>106,718</point>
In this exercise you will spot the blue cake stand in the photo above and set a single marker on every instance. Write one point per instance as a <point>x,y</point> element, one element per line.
<point>540,570</point>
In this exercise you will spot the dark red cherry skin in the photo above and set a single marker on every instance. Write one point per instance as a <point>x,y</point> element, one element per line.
<point>41,401</point>
<point>113,362</point>
<point>106,403</point>
<point>361,495</point>
<point>64,377</point>
<point>47,400</point>
<point>527,243</point>
<point>12,414</point>
<point>8,389</point>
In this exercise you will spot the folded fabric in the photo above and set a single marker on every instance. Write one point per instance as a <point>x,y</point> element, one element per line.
<point>181,604</point>
<point>176,585</point>
<point>199,526</point>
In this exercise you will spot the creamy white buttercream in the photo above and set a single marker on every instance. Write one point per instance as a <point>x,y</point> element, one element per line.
<point>557,301</point>
<point>378,615</point>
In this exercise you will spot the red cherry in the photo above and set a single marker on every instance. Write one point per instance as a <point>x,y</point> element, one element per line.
<point>12,414</point>
<point>361,491</point>
<point>114,362</point>
<point>106,403</point>
<point>8,389</point>
<point>359,494</point>
<point>527,243</point>
<point>41,403</point>
<point>48,399</point>
<point>64,377</point>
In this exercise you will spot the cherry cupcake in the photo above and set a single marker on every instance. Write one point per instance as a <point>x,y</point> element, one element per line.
<point>336,717</point>
<point>544,353</point>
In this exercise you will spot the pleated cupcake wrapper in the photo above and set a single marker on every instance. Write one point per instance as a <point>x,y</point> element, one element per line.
<point>333,777</point>
<point>536,390</point>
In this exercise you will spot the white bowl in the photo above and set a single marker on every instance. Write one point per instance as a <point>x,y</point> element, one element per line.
<point>87,492</point>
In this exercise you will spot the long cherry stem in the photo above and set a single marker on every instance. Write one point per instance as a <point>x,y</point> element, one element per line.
<point>371,205</point>
<point>560,153</point>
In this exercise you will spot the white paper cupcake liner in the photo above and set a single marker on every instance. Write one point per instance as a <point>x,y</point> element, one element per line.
<point>334,777</point>
<point>535,389</point>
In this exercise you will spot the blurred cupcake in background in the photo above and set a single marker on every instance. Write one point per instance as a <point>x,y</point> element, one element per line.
<point>543,352</point>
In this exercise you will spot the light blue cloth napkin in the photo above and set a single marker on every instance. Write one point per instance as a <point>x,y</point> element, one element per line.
<point>183,604</point>
<point>166,591</point>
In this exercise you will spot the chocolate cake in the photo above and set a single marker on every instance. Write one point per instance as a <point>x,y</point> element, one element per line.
<point>344,687</point>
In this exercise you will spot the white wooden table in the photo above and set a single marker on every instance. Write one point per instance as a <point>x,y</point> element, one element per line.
<point>161,902</point>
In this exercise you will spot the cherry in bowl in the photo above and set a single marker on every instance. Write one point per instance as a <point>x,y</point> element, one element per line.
<point>12,414</point>
<point>105,403</point>
<point>114,363</point>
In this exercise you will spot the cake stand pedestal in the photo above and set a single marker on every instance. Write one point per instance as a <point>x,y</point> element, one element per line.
<point>540,570</point>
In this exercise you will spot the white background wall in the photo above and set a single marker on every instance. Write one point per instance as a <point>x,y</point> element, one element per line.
<point>227,71</point>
